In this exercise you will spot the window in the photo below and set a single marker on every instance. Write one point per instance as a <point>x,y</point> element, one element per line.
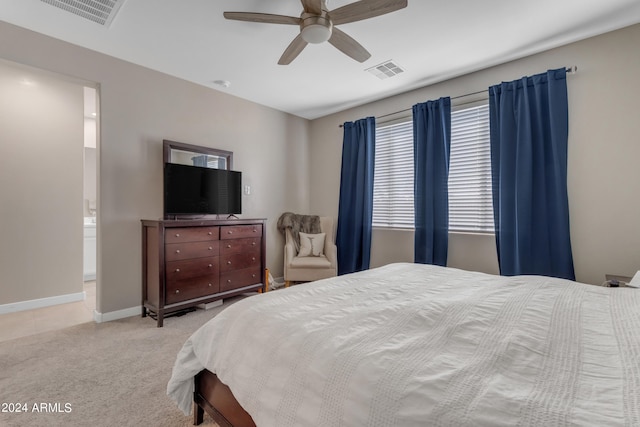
<point>393,176</point>
<point>470,203</point>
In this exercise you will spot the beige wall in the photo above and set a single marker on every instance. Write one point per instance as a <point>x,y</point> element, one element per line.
<point>604,148</point>
<point>275,151</point>
<point>138,109</point>
<point>40,185</point>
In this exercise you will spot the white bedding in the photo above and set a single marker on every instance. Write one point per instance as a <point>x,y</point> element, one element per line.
<point>419,345</point>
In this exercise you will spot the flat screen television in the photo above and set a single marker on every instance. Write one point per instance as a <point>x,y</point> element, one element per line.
<point>195,190</point>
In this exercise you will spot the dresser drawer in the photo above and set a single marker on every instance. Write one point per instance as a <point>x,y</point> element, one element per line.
<point>187,250</point>
<point>195,287</point>
<point>239,278</point>
<point>237,261</point>
<point>191,234</point>
<point>240,231</point>
<point>184,269</point>
<point>240,245</point>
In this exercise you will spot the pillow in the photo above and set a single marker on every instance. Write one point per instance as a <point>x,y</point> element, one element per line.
<point>311,244</point>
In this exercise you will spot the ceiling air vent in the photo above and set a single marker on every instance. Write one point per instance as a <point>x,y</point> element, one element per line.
<point>385,70</point>
<point>99,11</point>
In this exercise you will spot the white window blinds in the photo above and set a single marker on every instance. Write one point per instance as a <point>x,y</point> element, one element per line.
<point>393,176</point>
<point>470,203</point>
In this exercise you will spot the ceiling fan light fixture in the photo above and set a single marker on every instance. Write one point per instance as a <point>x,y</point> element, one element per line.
<point>316,29</point>
<point>316,33</point>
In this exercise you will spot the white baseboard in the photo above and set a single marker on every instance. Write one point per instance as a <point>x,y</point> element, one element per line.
<point>115,315</point>
<point>41,302</point>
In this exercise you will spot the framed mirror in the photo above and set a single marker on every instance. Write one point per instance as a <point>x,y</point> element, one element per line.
<point>196,155</point>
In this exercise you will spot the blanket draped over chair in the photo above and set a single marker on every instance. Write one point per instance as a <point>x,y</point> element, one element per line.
<point>296,223</point>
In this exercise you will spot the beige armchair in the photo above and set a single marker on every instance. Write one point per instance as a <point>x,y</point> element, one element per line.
<point>309,268</point>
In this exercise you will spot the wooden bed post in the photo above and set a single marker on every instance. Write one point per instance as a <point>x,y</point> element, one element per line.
<point>198,413</point>
<point>217,400</point>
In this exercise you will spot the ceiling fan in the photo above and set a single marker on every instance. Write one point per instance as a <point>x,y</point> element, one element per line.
<point>317,24</point>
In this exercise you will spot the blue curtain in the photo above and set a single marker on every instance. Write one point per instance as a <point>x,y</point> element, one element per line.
<point>529,133</point>
<point>431,147</point>
<point>356,196</point>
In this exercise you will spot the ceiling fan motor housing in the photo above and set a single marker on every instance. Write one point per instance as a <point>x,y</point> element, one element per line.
<point>315,28</point>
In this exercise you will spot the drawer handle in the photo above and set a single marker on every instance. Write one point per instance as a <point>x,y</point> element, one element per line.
<point>253,275</point>
<point>210,265</point>
<point>253,243</point>
<point>253,258</point>
<point>229,232</point>
<point>177,234</point>
<point>210,248</point>
<point>177,251</point>
<point>228,246</point>
<point>177,291</point>
<point>255,229</point>
<point>228,280</point>
<point>177,270</point>
<point>229,262</point>
<point>209,284</point>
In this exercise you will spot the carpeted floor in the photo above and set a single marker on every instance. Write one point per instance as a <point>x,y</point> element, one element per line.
<point>108,374</point>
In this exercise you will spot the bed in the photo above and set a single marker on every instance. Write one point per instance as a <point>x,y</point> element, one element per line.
<point>415,345</point>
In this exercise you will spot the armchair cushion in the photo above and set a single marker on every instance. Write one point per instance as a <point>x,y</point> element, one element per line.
<point>311,245</point>
<point>310,262</point>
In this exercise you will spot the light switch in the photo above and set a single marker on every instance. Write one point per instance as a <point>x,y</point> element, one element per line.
<point>247,190</point>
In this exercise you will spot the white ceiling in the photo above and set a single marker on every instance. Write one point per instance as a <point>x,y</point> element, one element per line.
<point>433,40</point>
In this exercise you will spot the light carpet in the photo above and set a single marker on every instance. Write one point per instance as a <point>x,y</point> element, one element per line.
<point>108,374</point>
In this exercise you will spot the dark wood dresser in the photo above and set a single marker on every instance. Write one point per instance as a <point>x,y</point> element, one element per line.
<point>190,262</point>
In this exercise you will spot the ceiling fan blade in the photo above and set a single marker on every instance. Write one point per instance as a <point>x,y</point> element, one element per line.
<point>365,9</point>
<point>347,45</point>
<point>293,50</point>
<point>312,6</point>
<point>265,18</point>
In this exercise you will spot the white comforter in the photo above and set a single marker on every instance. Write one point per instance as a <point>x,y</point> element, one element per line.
<point>418,345</point>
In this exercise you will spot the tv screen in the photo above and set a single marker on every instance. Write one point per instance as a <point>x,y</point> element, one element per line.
<point>194,190</point>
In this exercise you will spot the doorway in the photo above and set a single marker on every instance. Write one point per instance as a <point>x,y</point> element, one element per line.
<point>41,185</point>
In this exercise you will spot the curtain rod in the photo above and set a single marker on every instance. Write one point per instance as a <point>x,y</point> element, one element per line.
<point>570,70</point>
